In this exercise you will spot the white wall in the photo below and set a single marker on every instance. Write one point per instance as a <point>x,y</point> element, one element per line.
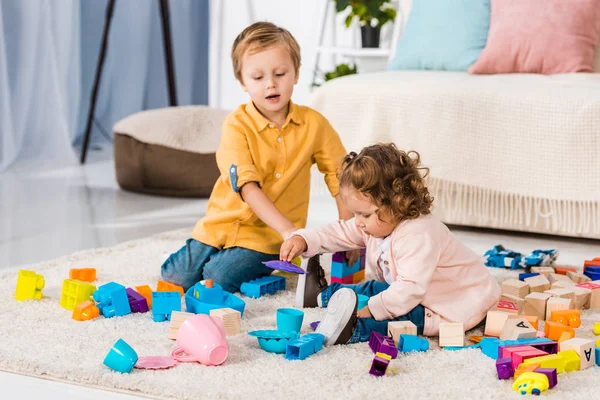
<point>301,17</point>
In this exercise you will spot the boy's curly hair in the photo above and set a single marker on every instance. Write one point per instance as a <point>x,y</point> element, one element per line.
<point>392,179</point>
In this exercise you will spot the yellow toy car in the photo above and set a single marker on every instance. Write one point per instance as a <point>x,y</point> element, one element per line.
<point>531,383</point>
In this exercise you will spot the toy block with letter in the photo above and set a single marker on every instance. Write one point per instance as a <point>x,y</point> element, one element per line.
<point>495,322</point>
<point>83,274</point>
<point>533,320</point>
<point>507,306</point>
<point>75,292</point>
<point>517,328</point>
<point>29,285</point>
<point>519,302</point>
<point>452,334</point>
<point>535,304</point>
<point>514,287</point>
<point>231,319</point>
<point>397,328</point>
<point>555,304</point>
<point>538,283</point>
<point>343,273</point>
<point>583,347</point>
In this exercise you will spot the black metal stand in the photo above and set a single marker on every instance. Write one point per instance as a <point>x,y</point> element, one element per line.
<point>169,66</point>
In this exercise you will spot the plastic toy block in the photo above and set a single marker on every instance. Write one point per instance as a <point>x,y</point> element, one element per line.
<point>347,280</point>
<point>359,276</point>
<point>340,268</point>
<point>554,330</point>
<point>177,318</point>
<point>591,263</point>
<point>519,356</point>
<point>408,343</point>
<point>29,286</point>
<point>531,383</point>
<point>164,286</point>
<point>517,328</point>
<point>85,311</point>
<point>145,291</point>
<point>231,319</point>
<point>201,298</point>
<point>112,300</point>
<point>563,361</point>
<point>596,328</point>
<point>550,374</point>
<point>380,364</point>
<point>83,274</point>
<point>304,346</point>
<point>493,347</point>
<point>397,328</point>
<point>75,292</point>
<point>163,304</point>
<point>533,320</point>
<point>570,318</point>
<point>382,344</point>
<point>525,368</point>
<point>564,270</point>
<point>137,302</point>
<point>504,368</point>
<point>572,360</point>
<point>584,348</point>
<point>524,275</point>
<point>261,286</point>
<point>597,351</point>
<point>508,351</point>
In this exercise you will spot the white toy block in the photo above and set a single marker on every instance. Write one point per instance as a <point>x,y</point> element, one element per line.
<point>452,334</point>
<point>555,304</point>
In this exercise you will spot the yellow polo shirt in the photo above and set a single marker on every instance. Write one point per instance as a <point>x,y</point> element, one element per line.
<point>253,149</point>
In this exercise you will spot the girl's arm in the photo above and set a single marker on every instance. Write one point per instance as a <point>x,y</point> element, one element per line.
<point>414,258</point>
<point>264,209</point>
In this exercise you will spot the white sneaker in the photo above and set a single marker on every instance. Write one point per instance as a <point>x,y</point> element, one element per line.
<point>340,318</point>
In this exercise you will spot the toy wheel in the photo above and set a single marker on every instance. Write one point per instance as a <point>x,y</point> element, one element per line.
<point>535,392</point>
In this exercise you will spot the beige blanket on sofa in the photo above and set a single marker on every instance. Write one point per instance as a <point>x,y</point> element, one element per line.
<point>506,151</point>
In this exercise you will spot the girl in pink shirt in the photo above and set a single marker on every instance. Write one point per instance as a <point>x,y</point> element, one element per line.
<point>424,274</point>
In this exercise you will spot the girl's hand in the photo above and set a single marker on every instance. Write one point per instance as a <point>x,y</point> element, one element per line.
<point>364,313</point>
<point>352,256</point>
<point>292,248</point>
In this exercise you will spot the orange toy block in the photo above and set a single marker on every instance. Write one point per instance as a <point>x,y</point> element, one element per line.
<point>146,292</point>
<point>570,318</point>
<point>591,263</point>
<point>554,330</point>
<point>164,286</point>
<point>557,303</point>
<point>85,311</point>
<point>359,276</point>
<point>564,270</point>
<point>532,319</point>
<point>525,368</point>
<point>83,274</point>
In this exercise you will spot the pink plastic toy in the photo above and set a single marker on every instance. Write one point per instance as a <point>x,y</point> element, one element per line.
<point>202,338</point>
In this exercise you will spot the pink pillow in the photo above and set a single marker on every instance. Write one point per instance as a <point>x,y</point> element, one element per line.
<point>540,36</point>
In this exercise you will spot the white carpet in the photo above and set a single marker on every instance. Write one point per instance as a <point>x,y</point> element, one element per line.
<point>40,338</point>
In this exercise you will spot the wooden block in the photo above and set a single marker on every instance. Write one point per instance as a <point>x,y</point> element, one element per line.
<point>563,293</point>
<point>562,285</point>
<point>177,318</point>
<point>514,287</point>
<point>535,304</point>
<point>578,277</point>
<point>517,328</point>
<point>564,270</point>
<point>231,319</point>
<point>543,270</point>
<point>452,334</point>
<point>507,306</point>
<point>594,287</point>
<point>584,347</point>
<point>582,297</point>
<point>538,283</point>
<point>557,277</point>
<point>397,328</point>
<point>533,320</point>
<point>514,299</point>
<point>556,303</point>
<point>494,322</point>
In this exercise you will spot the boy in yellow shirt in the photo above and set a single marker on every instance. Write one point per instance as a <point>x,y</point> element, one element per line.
<point>267,149</point>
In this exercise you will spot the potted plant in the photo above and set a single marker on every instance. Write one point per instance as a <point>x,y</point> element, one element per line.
<point>339,71</point>
<point>371,14</point>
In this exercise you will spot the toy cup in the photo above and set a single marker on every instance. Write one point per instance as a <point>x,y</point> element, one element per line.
<point>289,319</point>
<point>362,301</point>
<point>202,338</point>
<point>121,357</point>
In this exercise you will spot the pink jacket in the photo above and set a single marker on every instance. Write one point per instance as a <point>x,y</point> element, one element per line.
<point>428,265</point>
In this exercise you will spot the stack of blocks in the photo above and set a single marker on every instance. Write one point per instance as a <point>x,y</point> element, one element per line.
<point>341,272</point>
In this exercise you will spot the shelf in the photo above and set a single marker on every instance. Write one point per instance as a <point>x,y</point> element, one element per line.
<point>355,52</point>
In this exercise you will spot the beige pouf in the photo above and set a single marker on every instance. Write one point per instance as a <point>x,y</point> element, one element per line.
<point>169,151</point>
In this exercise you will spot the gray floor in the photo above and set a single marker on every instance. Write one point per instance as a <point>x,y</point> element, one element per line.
<point>47,211</point>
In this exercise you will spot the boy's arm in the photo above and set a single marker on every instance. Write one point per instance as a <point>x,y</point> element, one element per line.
<point>264,209</point>
<point>328,154</point>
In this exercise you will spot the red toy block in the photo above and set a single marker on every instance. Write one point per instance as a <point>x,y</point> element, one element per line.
<point>164,286</point>
<point>347,280</point>
<point>564,270</point>
<point>83,274</point>
<point>591,263</point>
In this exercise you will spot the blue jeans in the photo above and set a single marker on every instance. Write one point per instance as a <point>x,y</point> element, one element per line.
<point>228,267</point>
<point>364,326</point>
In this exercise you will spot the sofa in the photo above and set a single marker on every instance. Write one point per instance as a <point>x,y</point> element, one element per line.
<point>518,152</point>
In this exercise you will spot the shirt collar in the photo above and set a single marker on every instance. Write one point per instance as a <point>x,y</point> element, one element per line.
<point>261,122</point>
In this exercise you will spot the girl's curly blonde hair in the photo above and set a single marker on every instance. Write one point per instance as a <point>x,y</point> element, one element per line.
<point>394,180</point>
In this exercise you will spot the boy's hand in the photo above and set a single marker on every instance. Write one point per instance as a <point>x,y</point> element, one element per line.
<point>364,313</point>
<point>352,256</point>
<point>292,248</point>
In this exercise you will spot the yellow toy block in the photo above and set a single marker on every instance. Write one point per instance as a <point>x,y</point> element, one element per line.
<point>550,361</point>
<point>596,328</point>
<point>29,285</point>
<point>531,383</point>
<point>75,292</point>
<point>572,360</point>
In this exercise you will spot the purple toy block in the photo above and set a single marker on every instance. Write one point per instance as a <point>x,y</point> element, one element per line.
<point>505,368</point>
<point>314,325</point>
<point>340,257</point>
<point>382,344</point>
<point>137,302</point>
<point>551,374</point>
<point>379,366</point>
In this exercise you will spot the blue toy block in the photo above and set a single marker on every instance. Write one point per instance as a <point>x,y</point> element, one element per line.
<point>265,285</point>
<point>112,300</point>
<point>218,299</point>
<point>592,272</point>
<point>456,348</point>
<point>541,257</point>
<point>408,343</point>
<point>304,346</point>
<point>382,344</point>
<point>526,275</point>
<point>489,346</point>
<point>340,267</point>
<point>163,304</point>
<point>598,356</point>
